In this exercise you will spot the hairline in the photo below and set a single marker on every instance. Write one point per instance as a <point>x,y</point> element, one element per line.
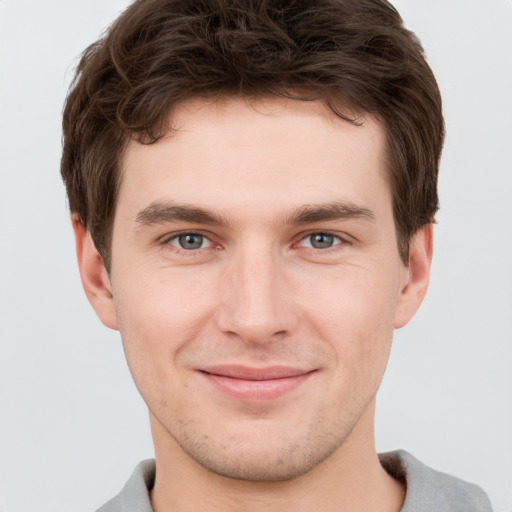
<point>341,108</point>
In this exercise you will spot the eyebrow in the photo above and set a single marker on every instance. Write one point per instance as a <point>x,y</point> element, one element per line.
<point>338,210</point>
<point>165,212</point>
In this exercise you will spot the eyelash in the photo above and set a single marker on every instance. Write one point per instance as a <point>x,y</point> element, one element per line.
<point>193,252</point>
<point>335,246</point>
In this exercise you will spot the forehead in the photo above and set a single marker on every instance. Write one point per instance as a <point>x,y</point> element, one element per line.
<point>284,150</point>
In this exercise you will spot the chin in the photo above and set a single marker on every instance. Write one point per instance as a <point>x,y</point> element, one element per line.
<point>269,458</point>
<point>261,468</point>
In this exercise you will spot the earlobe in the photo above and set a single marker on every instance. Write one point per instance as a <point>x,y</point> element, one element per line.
<point>95,279</point>
<point>418,272</point>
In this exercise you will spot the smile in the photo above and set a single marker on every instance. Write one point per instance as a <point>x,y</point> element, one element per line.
<point>255,384</point>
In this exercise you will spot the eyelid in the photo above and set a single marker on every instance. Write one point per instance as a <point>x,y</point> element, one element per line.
<point>168,238</point>
<point>343,239</point>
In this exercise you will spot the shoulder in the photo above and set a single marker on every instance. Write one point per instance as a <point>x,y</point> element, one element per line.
<point>134,496</point>
<point>429,490</point>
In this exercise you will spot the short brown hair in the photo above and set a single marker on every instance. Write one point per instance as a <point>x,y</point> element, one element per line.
<point>352,54</point>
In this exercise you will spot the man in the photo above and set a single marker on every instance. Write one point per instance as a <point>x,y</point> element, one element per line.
<point>253,188</point>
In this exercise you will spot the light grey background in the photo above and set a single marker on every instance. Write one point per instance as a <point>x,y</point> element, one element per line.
<point>72,424</point>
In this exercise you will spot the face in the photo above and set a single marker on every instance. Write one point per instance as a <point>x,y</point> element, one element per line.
<point>256,283</point>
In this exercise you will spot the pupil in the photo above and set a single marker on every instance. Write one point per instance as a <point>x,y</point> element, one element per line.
<point>322,240</point>
<point>191,241</point>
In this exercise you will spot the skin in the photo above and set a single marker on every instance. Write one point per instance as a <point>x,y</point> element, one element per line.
<point>275,177</point>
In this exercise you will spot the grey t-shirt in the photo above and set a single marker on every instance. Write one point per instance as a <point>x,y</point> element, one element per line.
<point>427,490</point>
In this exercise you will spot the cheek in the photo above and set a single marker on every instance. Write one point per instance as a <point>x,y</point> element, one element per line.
<point>355,314</point>
<point>353,298</point>
<point>162,299</point>
<point>158,316</point>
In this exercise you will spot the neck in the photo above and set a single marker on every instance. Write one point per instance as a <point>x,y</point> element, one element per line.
<point>351,479</point>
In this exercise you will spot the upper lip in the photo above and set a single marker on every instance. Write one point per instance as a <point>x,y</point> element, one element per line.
<point>254,373</point>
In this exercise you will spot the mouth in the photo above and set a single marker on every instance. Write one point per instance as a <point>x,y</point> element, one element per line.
<point>255,384</point>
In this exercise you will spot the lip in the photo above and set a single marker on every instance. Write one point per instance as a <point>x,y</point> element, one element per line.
<point>255,384</point>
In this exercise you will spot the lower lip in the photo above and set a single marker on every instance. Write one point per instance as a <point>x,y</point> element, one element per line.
<point>256,390</point>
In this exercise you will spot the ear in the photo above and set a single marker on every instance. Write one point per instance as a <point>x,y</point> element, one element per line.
<point>94,276</point>
<point>417,276</point>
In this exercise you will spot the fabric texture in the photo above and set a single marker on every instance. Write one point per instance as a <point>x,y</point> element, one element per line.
<point>427,490</point>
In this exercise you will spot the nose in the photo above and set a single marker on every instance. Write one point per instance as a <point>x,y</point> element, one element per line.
<point>258,305</point>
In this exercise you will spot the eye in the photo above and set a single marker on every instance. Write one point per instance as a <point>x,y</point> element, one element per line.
<point>190,241</point>
<point>321,241</point>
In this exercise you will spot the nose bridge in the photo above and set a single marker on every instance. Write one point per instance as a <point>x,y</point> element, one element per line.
<point>256,307</point>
